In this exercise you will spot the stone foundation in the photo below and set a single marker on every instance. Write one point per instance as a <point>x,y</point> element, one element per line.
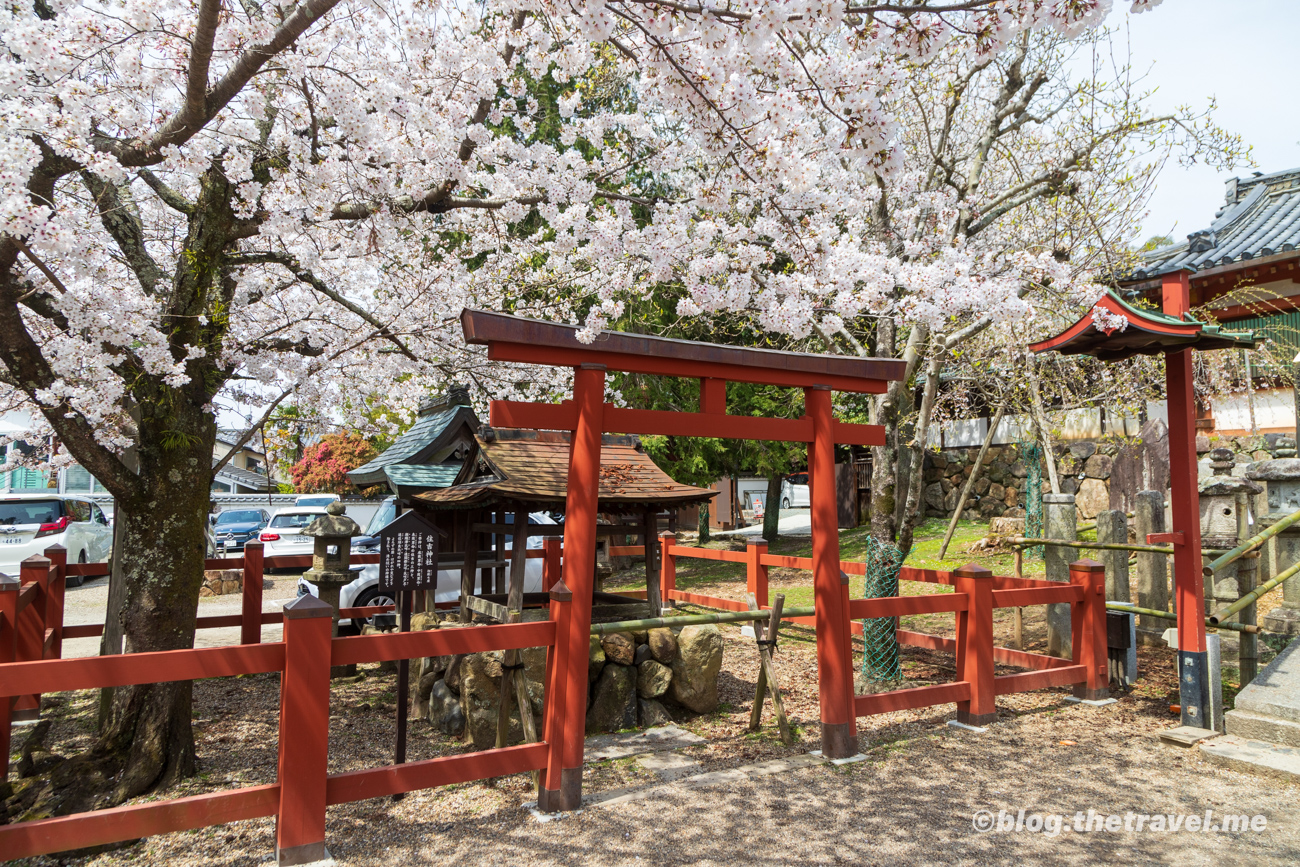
<point>633,678</point>
<point>222,582</point>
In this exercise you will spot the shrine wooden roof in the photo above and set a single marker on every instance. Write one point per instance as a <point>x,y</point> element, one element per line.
<point>1143,332</point>
<point>533,466</point>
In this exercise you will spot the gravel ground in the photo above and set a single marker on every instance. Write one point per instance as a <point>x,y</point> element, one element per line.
<point>911,802</point>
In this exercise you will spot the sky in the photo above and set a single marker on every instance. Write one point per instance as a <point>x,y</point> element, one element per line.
<point>1243,53</point>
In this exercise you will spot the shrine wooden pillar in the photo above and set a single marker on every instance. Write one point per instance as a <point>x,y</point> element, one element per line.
<point>830,586</point>
<point>579,570</point>
<point>1189,587</point>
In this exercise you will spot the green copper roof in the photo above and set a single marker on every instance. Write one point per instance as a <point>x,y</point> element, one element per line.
<point>421,475</point>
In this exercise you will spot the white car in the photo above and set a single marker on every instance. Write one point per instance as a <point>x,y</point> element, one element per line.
<point>30,523</point>
<point>283,535</point>
<point>364,590</point>
<point>321,500</point>
<point>794,492</point>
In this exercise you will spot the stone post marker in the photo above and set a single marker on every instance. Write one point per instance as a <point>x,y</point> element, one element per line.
<point>1282,476</point>
<point>1152,569</point>
<point>1060,521</point>
<point>331,556</point>
<point>1112,528</point>
<point>1222,499</point>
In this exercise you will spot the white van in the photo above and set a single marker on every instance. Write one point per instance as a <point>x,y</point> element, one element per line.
<point>30,523</point>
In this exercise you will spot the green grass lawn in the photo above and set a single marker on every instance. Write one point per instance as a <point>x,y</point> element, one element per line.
<point>712,577</point>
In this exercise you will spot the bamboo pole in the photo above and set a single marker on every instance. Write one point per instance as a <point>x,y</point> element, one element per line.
<point>1251,544</point>
<point>1022,541</point>
<point>970,480</point>
<point>1165,615</point>
<point>1220,615</point>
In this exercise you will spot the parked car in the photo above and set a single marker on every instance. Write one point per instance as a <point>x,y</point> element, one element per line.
<point>321,500</point>
<point>30,523</point>
<point>364,590</point>
<point>234,527</point>
<point>368,541</point>
<point>283,536</point>
<point>794,492</point>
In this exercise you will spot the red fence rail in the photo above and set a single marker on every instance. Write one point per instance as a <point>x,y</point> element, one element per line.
<point>977,593</point>
<point>305,788</point>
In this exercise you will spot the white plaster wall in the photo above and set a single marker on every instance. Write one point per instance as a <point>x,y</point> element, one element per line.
<point>1274,408</point>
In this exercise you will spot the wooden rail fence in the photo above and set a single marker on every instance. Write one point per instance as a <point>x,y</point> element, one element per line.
<point>32,632</point>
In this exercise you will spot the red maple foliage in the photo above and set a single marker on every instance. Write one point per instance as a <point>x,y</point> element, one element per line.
<point>324,466</point>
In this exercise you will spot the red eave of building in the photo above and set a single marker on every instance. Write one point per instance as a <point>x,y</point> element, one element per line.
<point>1135,320</point>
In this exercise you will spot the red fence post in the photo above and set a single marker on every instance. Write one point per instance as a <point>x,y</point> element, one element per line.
<point>552,546</point>
<point>8,653</point>
<point>830,586</point>
<point>250,624</point>
<point>1088,629</point>
<point>31,631</point>
<point>304,731</point>
<point>550,783</point>
<point>755,571</point>
<point>54,604</point>
<point>975,644</point>
<point>667,569</point>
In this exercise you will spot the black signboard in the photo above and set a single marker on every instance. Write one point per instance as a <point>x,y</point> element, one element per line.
<point>408,554</point>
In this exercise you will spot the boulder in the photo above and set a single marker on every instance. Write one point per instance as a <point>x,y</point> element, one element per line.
<point>981,486</point>
<point>1069,485</point>
<point>444,711</point>
<point>663,645</point>
<point>934,495</point>
<point>619,648</point>
<point>653,679</point>
<point>1093,497</point>
<point>424,621</point>
<point>653,714</point>
<point>950,500</point>
<point>534,660</point>
<point>595,659</point>
<point>997,492</point>
<point>695,670</point>
<point>1083,450</point>
<point>1202,444</point>
<point>1276,470</point>
<point>642,654</point>
<point>1098,467</point>
<point>480,696</point>
<point>1019,470</point>
<point>613,703</point>
<point>990,508</point>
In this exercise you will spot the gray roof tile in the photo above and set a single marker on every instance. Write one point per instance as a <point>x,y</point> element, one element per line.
<point>1261,217</point>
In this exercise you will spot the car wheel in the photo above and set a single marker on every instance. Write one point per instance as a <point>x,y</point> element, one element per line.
<point>77,580</point>
<point>785,503</point>
<point>369,596</point>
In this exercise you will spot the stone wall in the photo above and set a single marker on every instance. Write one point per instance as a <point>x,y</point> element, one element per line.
<point>219,582</point>
<point>1084,469</point>
<point>633,678</point>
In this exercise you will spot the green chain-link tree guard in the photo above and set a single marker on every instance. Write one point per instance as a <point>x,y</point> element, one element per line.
<point>879,635</point>
<point>1032,454</point>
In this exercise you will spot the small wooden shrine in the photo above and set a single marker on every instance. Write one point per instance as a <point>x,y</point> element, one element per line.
<point>522,471</point>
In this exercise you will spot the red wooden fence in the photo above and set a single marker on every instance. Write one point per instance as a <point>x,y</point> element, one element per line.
<point>32,631</point>
<point>977,592</point>
<point>304,657</point>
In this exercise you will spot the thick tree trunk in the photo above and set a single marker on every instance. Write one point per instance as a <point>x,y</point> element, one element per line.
<point>149,731</point>
<point>772,509</point>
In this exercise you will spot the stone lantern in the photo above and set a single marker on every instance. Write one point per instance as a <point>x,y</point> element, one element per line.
<point>331,554</point>
<point>1282,476</point>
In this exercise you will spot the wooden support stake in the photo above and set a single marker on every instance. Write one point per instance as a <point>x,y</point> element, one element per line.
<point>1018,642</point>
<point>513,685</point>
<point>767,671</point>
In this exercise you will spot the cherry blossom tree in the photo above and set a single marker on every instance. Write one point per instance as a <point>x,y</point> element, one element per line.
<point>205,201</point>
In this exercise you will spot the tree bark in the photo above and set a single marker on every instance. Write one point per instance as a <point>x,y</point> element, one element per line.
<point>772,509</point>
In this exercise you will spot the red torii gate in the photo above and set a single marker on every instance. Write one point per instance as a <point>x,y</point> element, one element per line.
<point>531,341</point>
